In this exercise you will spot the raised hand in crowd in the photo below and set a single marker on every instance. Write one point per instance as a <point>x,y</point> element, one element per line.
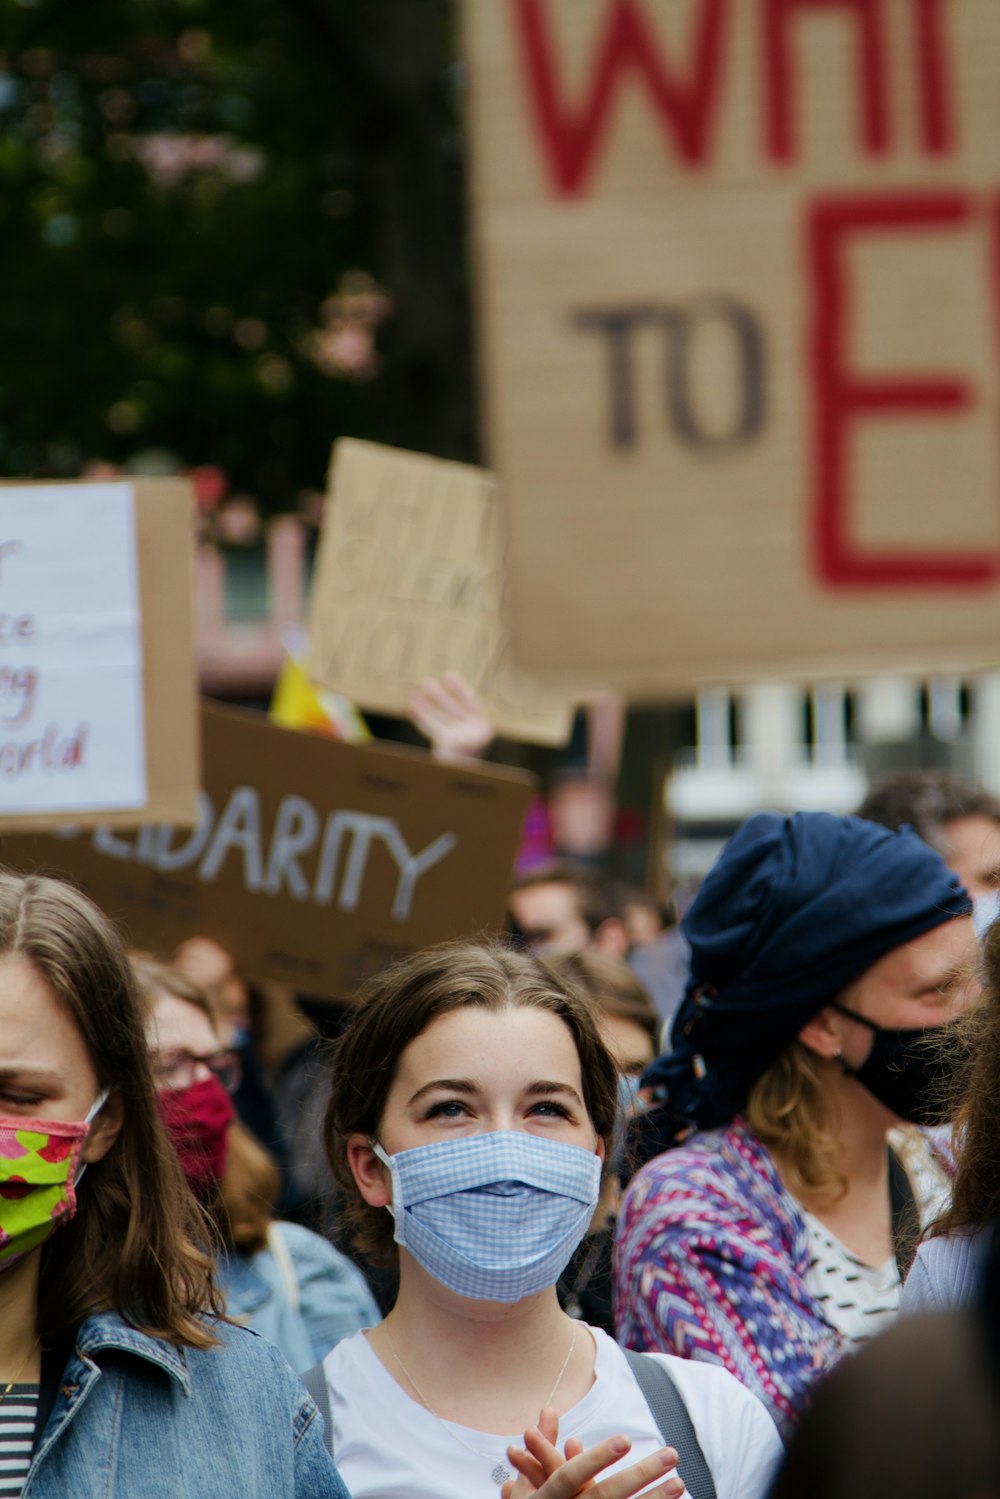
<point>453,717</point>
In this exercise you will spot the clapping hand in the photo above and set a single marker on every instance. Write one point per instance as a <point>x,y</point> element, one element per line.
<point>546,1473</point>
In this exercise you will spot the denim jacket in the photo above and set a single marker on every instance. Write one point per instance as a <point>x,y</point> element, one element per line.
<point>300,1293</point>
<point>138,1418</point>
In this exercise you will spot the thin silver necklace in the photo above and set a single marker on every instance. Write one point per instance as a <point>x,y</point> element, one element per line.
<point>501,1472</point>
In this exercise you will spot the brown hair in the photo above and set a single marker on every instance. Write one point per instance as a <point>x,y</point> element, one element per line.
<point>610,984</point>
<point>975,1200</point>
<point>926,799</point>
<point>597,901</point>
<point>242,1205</point>
<point>787,1113</point>
<point>132,1246</point>
<point>399,1005</point>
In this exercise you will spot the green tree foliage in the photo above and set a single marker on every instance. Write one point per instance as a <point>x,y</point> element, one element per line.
<point>233,232</point>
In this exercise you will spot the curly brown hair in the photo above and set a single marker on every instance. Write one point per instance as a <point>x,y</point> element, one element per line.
<point>975,1200</point>
<point>398,1005</point>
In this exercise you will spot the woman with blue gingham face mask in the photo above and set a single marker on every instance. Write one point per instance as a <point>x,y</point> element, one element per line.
<point>473,1102</point>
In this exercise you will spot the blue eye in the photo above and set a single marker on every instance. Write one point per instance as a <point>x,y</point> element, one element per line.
<point>548,1106</point>
<point>448,1108</point>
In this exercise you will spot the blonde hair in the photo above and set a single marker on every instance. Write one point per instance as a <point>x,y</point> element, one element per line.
<point>247,1192</point>
<point>787,1113</point>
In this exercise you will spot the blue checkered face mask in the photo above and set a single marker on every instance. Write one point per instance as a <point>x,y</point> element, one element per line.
<point>495,1216</point>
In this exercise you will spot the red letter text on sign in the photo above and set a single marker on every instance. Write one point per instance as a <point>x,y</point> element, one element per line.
<point>842,398</point>
<point>571,138</point>
<point>937,124</point>
<point>872,69</point>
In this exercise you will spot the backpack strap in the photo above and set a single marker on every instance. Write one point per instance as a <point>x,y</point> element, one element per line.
<point>314,1380</point>
<point>905,1215</point>
<point>675,1426</point>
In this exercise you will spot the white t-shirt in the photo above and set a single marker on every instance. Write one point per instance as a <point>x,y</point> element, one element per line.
<point>387,1446</point>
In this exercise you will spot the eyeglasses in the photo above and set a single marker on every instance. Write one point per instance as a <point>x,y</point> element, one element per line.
<point>177,1069</point>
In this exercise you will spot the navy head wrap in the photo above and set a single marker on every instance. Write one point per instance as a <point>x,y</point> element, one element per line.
<point>794,910</point>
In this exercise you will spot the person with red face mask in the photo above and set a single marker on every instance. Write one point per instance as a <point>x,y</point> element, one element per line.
<point>281,1279</point>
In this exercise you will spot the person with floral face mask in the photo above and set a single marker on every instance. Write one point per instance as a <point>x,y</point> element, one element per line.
<point>472,1106</point>
<point>116,1372</point>
<point>772,1229</point>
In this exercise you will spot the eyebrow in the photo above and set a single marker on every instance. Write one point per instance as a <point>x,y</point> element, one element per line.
<point>450,1084</point>
<point>542,1087</point>
<point>28,1069</point>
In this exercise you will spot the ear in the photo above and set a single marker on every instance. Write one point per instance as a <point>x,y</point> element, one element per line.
<point>823,1034</point>
<point>371,1175</point>
<point>602,1150</point>
<point>105,1128</point>
<point>611,937</point>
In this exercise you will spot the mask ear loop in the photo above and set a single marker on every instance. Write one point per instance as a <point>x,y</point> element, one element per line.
<point>92,1113</point>
<point>395,1207</point>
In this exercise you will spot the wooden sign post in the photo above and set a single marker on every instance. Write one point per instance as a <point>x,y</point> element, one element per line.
<point>739,268</point>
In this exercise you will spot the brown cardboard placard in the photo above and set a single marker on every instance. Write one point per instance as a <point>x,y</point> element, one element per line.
<point>739,303</point>
<point>314,862</point>
<point>409,583</point>
<point>163,510</point>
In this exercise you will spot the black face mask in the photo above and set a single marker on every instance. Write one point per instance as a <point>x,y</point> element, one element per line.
<point>910,1071</point>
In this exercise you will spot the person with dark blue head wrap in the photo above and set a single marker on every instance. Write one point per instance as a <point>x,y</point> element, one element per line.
<point>793,911</point>
<point>829,957</point>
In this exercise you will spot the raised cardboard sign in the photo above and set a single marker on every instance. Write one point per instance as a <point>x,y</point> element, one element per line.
<point>313,862</point>
<point>740,300</point>
<point>409,583</point>
<point>98,697</point>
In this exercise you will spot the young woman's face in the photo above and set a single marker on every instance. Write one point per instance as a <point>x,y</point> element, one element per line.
<point>475,1070</point>
<point>45,1068</point>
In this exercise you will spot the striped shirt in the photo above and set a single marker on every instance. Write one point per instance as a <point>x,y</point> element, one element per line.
<point>18,1413</point>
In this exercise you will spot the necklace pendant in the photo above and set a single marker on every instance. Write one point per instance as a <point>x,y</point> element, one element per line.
<point>500,1474</point>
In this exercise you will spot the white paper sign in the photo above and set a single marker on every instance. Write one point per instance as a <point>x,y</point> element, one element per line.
<point>71,706</point>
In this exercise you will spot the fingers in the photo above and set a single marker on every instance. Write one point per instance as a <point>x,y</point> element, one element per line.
<point>623,1485</point>
<point>463,694</point>
<point>548,1424</point>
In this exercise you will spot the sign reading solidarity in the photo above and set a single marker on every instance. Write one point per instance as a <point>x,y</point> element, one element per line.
<point>97,675</point>
<point>313,862</point>
<point>740,298</point>
<point>409,583</point>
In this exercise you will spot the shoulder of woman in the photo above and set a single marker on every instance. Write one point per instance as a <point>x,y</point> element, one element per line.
<point>717,1402</point>
<point>310,1250</point>
<point>712,1166</point>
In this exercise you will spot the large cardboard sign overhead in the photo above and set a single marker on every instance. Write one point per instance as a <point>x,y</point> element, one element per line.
<point>739,275</point>
<point>409,583</point>
<point>98,697</point>
<point>314,862</point>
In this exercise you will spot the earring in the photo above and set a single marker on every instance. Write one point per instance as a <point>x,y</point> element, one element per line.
<point>838,1055</point>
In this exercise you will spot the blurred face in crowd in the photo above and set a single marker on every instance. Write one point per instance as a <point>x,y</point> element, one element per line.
<point>628,1042</point>
<point>971,847</point>
<point>549,916</point>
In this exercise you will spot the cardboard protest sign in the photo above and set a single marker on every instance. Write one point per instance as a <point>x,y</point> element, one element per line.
<point>409,583</point>
<point>98,697</point>
<point>740,302</point>
<point>314,862</point>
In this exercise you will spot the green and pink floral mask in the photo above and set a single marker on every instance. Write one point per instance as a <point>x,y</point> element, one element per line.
<point>39,1172</point>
